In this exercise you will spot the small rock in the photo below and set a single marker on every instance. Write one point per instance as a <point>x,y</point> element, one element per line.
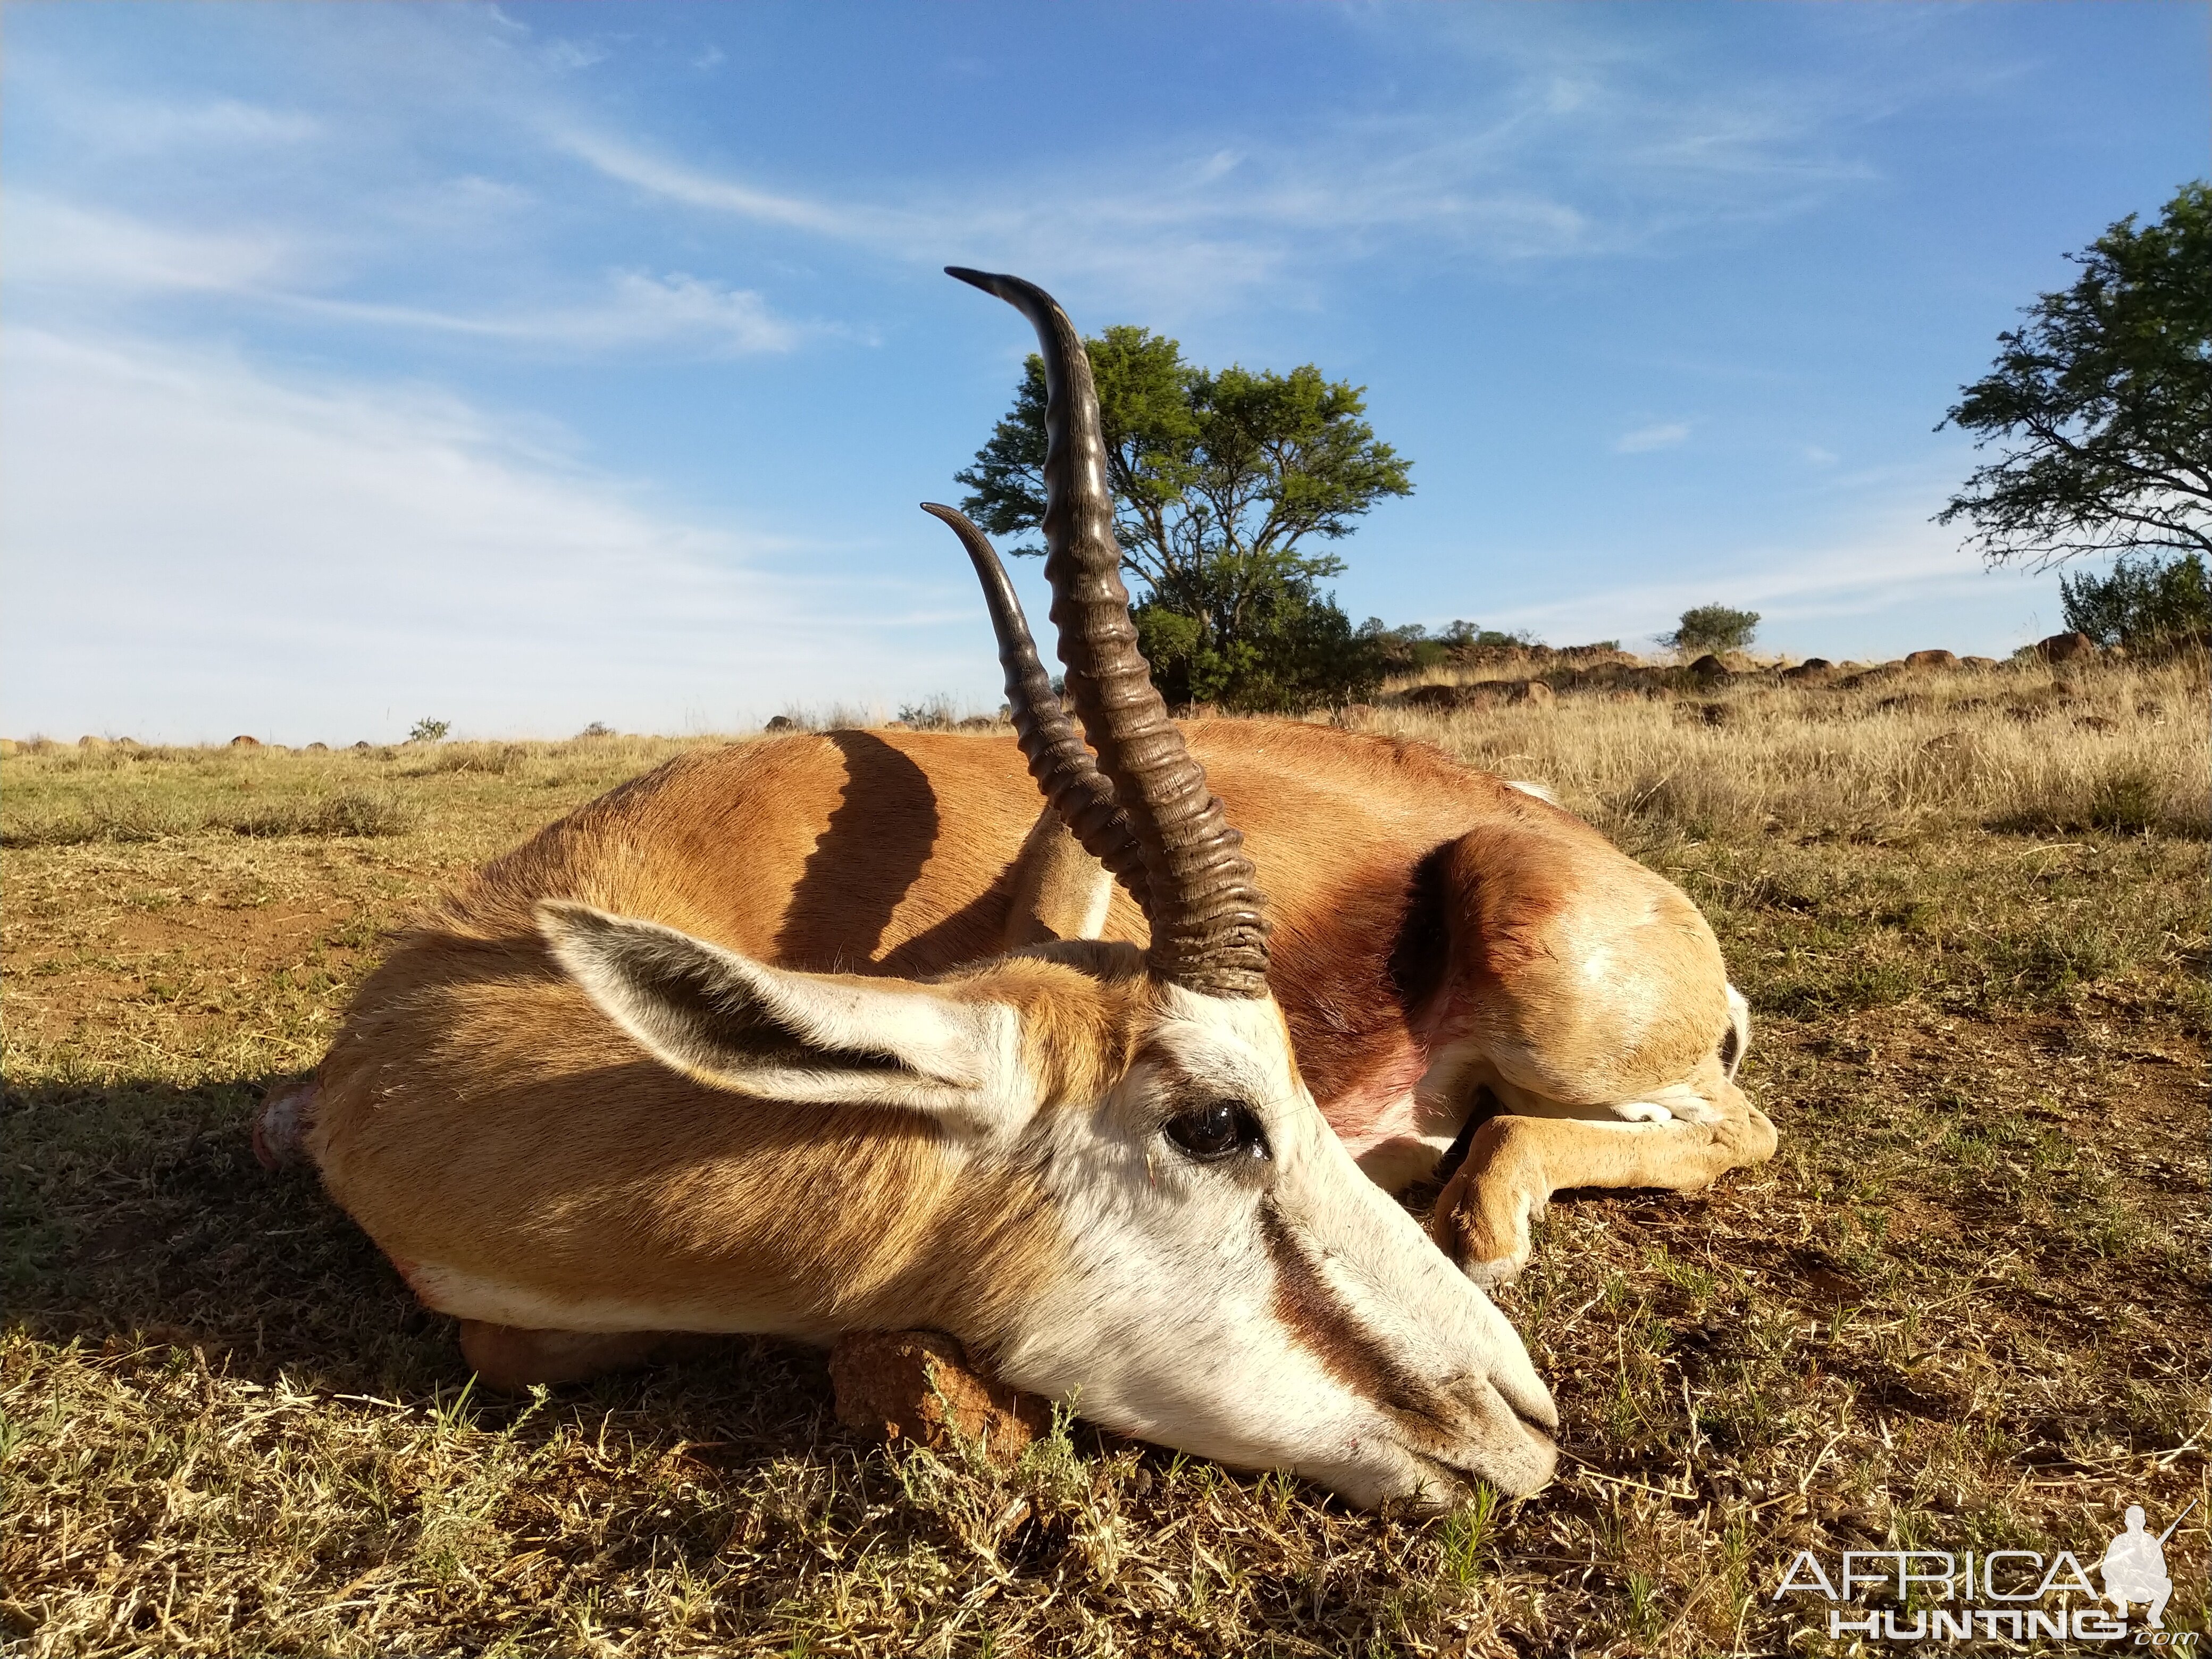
<point>921,1385</point>
<point>1814,670</point>
<point>319,749</point>
<point>1710,667</point>
<point>1931,659</point>
<point>781,723</point>
<point>1980,665</point>
<point>244,742</point>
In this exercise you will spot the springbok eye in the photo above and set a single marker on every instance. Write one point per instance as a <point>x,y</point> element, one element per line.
<point>1223,1129</point>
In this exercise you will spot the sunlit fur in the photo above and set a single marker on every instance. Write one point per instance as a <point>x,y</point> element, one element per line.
<point>1438,932</point>
<point>590,1099</point>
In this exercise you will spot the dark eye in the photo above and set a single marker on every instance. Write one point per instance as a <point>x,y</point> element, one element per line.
<point>1223,1129</point>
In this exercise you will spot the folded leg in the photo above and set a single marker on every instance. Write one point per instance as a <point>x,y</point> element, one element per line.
<point>1514,1164</point>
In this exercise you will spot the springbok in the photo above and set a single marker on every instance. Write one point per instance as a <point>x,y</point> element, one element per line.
<point>613,1088</point>
<point>1466,968</point>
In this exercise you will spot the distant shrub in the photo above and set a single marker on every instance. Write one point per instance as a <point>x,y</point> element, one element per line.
<point>937,714</point>
<point>429,731</point>
<point>1297,650</point>
<point>2151,606</point>
<point>1411,648</point>
<point>596,729</point>
<point>1712,627</point>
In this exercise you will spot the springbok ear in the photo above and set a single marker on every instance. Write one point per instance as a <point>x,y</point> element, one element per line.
<point>737,1024</point>
<point>1739,1028</point>
<point>1060,891</point>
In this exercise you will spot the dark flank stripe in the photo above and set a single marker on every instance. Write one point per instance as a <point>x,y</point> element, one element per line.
<point>1325,1327</point>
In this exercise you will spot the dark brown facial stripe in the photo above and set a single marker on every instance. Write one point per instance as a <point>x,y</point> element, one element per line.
<point>1325,1327</point>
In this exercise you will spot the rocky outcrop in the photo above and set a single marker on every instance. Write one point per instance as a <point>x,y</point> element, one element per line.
<point>2066,647</point>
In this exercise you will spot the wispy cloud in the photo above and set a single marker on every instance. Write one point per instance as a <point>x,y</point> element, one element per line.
<point>1665,434</point>
<point>53,243</point>
<point>1898,576</point>
<point>1545,166</point>
<point>639,310</point>
<point>194,549</point>
<point>146,126</point>
<point>80,252</point>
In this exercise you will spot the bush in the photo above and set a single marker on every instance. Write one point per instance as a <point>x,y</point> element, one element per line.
<point>1296,651</point>
<point>429,731</point>
<point>1714,627</point>
<point>1411,648</point>
<point>2152,607</point>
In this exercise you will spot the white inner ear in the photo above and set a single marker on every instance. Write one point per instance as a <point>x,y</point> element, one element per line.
<point>738,1024</point>
<point>1740,1017</point>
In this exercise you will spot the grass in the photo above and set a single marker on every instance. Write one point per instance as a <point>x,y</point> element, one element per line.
<point>1964,1308</point>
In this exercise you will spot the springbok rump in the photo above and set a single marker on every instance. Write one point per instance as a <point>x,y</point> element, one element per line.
<point>618,1085</point>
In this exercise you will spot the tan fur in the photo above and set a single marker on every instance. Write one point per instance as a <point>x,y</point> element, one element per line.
<point>598,1174</point>
<point>897,852</point>
<point>1582,977</point>
<point>1515,1164</point>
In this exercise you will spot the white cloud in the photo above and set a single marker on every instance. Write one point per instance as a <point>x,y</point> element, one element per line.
<point>193,549</point>
<point>56,243</point>
<point>639,310</point>
<point>1667,435</point>
<point>1897,585</point>
<point>147,126</point>
<point>1607,160</point>
<point>58,247</point>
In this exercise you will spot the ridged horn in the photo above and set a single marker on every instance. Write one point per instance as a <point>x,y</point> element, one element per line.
<point>1209,918</point>
<point>1063,767</point>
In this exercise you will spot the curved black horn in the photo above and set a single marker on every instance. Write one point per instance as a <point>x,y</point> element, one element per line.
<point>1209,918</point>
<point>1063,767</point>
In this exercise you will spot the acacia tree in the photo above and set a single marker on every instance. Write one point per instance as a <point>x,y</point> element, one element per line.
<point>1224,482</point>
<point>1714,627</point>
<point>2106,394</point>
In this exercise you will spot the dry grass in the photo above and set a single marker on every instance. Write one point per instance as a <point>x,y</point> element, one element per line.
<point>1965,1307</point>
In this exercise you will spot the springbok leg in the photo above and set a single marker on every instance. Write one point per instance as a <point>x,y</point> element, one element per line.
<point>1516,1164</point>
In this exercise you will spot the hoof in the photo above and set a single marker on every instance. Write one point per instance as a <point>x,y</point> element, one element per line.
<point>281,1125</point>
<point>1503,1270</point>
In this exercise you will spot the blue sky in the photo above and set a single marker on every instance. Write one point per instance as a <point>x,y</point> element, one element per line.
<point>527,366</point>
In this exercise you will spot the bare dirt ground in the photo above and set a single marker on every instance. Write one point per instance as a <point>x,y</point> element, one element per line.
<point>1965,1308</point>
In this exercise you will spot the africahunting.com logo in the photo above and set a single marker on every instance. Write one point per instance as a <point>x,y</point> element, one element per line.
<point>2019,1595</point>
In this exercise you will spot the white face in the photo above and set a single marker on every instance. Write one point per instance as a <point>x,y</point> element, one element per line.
<point>1242,1290</point>
<point>1234,1285</point>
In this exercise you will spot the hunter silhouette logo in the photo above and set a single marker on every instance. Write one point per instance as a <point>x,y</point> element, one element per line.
<point>2135,1566</point>
<point>2018,1595</point>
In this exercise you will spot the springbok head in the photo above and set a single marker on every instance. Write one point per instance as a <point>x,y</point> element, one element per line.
<point>1217,1275</point>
